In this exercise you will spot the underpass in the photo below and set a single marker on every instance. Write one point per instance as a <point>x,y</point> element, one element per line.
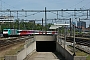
<point>44,47</point>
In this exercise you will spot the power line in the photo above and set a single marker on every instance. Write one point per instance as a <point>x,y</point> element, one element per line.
<point>1,5</point>
<point>85,5</point>
<point>77,3</point>
<point>33,14</point>
<point>7,4</point>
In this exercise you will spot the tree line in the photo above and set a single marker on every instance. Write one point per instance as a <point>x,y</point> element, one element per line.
<point>23,25</point>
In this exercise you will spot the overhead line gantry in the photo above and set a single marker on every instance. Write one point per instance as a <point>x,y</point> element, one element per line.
<point>8,10</point>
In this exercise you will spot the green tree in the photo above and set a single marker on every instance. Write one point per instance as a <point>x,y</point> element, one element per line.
<point>16,24</point>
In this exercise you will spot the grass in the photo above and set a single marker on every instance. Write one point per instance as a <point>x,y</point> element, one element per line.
<point>88,57</point>
<point>1,58</point>
<point>12,51</point>
<point>80,53</point>
<point>15,51</point>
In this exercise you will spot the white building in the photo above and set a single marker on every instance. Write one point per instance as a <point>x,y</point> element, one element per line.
<point>6,18</point>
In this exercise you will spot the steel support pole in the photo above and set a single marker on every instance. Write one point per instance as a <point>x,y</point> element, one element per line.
<point>74,42</point>
<point>57,16</point>
<point>42,24</point>
<point>79,26</point>
<point>45,18</point>
<point>58,36</point>
<point>70,28</point>
<point>10,20</point>
<point>18,21</point>
<point>87,13</point>
<point>0,28</point>
<point>65,37</point>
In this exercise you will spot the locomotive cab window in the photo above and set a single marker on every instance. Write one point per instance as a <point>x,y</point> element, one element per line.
<point>5,30</point>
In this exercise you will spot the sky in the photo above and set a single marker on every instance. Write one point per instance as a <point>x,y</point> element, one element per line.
<point>41,4</point>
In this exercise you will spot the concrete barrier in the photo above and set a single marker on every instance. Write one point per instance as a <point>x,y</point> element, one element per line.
<point>22,54</point>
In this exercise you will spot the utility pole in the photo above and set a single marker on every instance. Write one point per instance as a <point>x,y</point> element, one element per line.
<point>65,35</point>
<point>10,21</point>
<point>42,24</point>
<point>74,41</point>
<point>1,9</point>
<point>70,28</point>
<point>0,28</point>
<point>18,21</point>
<point>79,26</point>
<point>87,13</point>
<point>57,16</point>
<point>45,18</point>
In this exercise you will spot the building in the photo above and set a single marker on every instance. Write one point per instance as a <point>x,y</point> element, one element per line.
<point>87,29</point>
<point>73,23</point>
<point>81,24</point>
<point>89,26</point>
<point>32,21</point>
<point>6,19</point>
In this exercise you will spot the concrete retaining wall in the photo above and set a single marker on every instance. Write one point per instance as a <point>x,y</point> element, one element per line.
<point>11,57</point>
<point>26,51</point>
<point>79,57</point>
<point>64,52</point>
<point>45,37</point>
<point>22,54</point>
<point>67,54</point>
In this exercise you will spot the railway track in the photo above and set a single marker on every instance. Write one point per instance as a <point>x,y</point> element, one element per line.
<point>9,42</point>
<point>80,41</point>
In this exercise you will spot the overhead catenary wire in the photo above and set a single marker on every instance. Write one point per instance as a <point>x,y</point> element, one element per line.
<point>47,11</point>
<point>77,3</point>
<point>1,5</point>
<point>7,4</point>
